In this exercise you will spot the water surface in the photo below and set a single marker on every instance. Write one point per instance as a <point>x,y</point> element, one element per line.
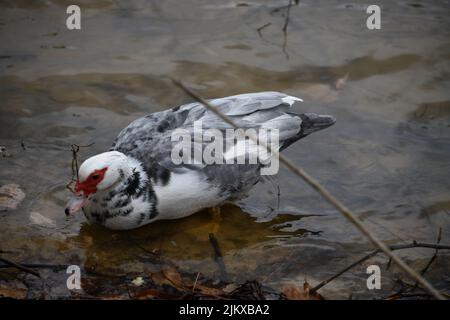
<point>387,157</point>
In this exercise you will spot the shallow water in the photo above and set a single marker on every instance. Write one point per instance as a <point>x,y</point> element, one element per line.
<point>387,157</point>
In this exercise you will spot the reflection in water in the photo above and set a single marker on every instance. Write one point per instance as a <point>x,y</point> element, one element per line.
<point>439,110</point>
<point>220,79</point>
<point>126,94</point>
<point>184,239</point>
<point>435,208</point>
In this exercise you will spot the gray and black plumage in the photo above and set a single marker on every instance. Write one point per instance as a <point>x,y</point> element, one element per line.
<point>142,183</point>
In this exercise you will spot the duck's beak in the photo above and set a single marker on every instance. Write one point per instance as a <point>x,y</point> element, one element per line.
<point>76,204</point>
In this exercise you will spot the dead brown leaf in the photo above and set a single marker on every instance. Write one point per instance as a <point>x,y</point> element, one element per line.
<point>295,293</point>
<point>152,294</point>
<point>209,291</point>
<point>170,276</point>
<point>160,279</point>
<point>11,195</point>
<point>13,291</point>
<point>174,277</point>
<point>432,111</point>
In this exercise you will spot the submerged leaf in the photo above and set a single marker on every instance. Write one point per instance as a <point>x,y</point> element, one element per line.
<point>320,92</point>
<point>38,219</point>
<point>11,195</point>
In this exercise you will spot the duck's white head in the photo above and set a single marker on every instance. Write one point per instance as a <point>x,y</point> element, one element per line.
<point>101,172</point>
<point>98,173</point>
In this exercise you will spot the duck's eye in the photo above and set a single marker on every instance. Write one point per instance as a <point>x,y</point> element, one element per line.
<point>95,177</point>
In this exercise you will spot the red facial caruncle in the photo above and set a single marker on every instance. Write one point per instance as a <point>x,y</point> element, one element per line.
<point>89,185</point>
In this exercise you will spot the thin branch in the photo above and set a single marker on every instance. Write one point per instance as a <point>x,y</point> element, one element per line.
<point>389,264</point>
<point>430,262</point>
<point>285,28</point>
<point>325,282</point>
<point>75,149</point>
<point>416,244</point>
<point>373,253</point>
<point>286,20</point>
<point>315,184</point>
<point>261,28</point>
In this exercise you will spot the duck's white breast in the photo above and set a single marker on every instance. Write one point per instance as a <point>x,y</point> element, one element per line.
<point>185,194</point>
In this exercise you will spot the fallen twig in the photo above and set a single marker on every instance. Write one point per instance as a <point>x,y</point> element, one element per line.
<point>438,241</point>
<point>398,296</point>
<point>278,197</point>
<point>22,144</point>
<point>218,257</point>
<point>20,267</point>
<point>346,212</point>
<point>325,282</point>
<point>285,27</point>
<point>195,282</point>
<point>373,253</point>
<point>37,266</point>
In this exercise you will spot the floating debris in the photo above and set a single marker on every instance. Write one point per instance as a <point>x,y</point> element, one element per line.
<point>3,152</point>
<point>138,281</point>
<point>171,283</point>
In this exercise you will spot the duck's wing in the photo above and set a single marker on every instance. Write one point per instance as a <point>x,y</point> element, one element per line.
<point>149,139</point>
<point>269,110</point>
